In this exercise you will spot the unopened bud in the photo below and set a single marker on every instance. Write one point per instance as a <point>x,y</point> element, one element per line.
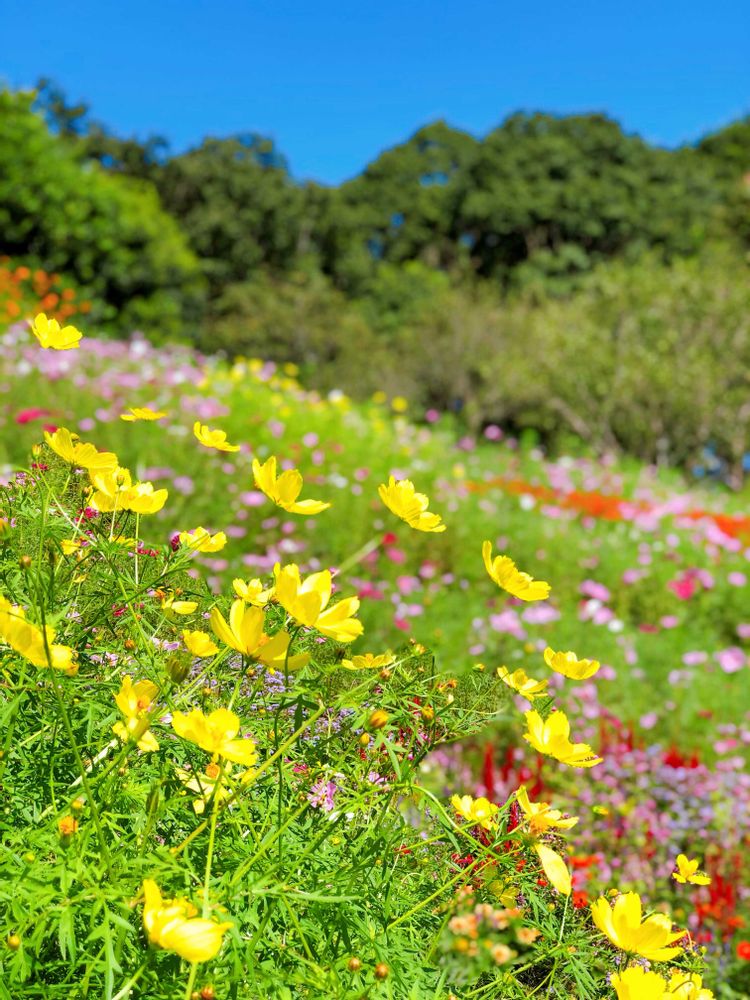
<point>13,941</point>
<point>382,971</point>
<point>378,719</point>
<point>354,965</point>
<point>25,562</point>
<point>178,668</point>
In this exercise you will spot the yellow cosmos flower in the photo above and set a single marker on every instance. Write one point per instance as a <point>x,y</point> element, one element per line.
<point>402,500</point>
<point>171,924</point>
<point>85,456</point>
<point>368,661</point>
<point>523,684</point>
<point>477,811</point>
<point>687,871</point>
<point>172,607</point>
<point>135,701</point>
<point>142,413</point>
<point>70,545</point>
<point>206,784</point>
<point>552,738</point>
<point>142,498</point>
<point>114,490</point>
<point>687,986</point>
<point>50,335</point>
<point>569,665</point>
<point>555,869</point>
<point>199,643</point>
<point>503,571</point>
<point>637,984</point>
<point>215,733</point>
<point>215,439</point>
<point>252,592</point>
<point>541,816</point>
<point>201,540</point>
<point>34,644</point>
<point>244,632</point>
<point>307,602</point>
<point>623,924</point>
<point>284,489</point>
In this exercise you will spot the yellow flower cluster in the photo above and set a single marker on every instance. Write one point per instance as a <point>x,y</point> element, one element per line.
<point>173,924</point>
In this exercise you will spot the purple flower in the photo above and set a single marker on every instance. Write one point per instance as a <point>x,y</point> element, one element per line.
<point>321,795</point>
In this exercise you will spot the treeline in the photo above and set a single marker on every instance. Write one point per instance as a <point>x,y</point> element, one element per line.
<point>517,278</point>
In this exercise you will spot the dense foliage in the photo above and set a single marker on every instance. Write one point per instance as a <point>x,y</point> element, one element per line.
<point>216,795</point>
<point>108,234</point>
<point>556,275</point>
<point>345,843</point>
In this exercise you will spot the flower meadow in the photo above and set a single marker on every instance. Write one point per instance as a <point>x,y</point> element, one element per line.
<point>304,699</point>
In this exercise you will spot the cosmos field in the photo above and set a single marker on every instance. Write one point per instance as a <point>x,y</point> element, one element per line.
<point>648,574</point>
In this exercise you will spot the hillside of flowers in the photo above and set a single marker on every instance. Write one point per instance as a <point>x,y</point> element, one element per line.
<point>303,698</point>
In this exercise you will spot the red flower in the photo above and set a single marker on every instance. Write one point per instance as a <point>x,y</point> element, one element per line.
<point>33,413</point>
<point>743,950</point>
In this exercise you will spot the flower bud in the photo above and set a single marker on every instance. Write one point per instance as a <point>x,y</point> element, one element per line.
<point>364,739</point>
<point>178,668</point>
<point>378,719</point>
<point>354,965</point>
<point>67,828</point>
<point>13,941</point>
<point>25,562</point>
<point>382,971</point>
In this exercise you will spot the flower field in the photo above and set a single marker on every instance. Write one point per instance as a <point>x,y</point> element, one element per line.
<point>295,732</point>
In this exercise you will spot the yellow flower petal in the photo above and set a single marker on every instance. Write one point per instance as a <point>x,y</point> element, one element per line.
<point>401,498</point>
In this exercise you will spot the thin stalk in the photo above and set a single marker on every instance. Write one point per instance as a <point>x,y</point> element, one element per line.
<point>84,777</point>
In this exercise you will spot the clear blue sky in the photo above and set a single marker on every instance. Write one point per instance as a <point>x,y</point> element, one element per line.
<point>334,83</point>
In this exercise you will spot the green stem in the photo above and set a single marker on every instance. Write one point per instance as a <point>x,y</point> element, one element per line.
<point>359,555</point>
<point>212,838</point>
<point>84,777</point>
<point>137,544</point>
<point>191,980</point>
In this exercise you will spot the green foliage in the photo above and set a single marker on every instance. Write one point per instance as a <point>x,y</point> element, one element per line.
<point>238,206</point>
<point>534,278</point>
<point>301,319</point>
<point>108,234</point>
<point>334,866</point>
<point>540,184</point>
<point>404,206</point>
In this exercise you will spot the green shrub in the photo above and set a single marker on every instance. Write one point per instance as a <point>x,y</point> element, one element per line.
<point>107,233</point>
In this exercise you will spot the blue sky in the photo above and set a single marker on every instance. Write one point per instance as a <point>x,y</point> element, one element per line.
<point>334,83</point>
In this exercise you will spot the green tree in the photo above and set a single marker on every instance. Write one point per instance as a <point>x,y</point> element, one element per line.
<point>108,233</point>
<point>728,152</point>
<point>237,204</point>
<point>402,207</point>
<point>542,185</point>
